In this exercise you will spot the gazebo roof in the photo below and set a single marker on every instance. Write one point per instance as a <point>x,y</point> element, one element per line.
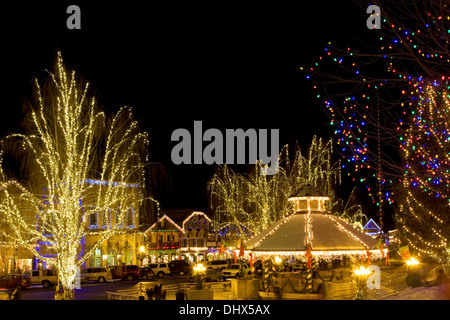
<point>327,233</point>
<point>309,191</point>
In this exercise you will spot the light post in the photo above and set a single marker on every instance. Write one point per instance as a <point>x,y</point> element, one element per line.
<point>199,270</point>
<point>413,277</point>
<point>278,260</point>
<point>141,254</point>
<point>412,264</point>
<point>361,274</point>
<point>276,286</point>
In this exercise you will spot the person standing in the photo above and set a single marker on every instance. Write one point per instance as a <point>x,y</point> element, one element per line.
<point>158,291</point>
<point>150,293</point>
<point>141,292</point>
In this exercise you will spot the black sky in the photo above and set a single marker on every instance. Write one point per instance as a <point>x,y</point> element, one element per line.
<point>226,64</point>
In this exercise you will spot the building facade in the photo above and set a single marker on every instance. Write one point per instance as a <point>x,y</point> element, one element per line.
<point>125,246</point>
<point>181,234</point>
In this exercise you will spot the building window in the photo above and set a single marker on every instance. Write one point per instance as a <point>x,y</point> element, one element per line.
<point>130,218</point>
<point>96,258</point>
<point>314,205</point>
<point>302,205</point>
<point>93,219</point>
<point>106,219</point>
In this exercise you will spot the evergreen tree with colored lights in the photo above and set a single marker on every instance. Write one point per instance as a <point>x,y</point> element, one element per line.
<point>423,214</point>
<point>371,91</point>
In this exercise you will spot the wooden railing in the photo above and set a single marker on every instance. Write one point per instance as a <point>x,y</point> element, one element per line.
<point>164,245</point>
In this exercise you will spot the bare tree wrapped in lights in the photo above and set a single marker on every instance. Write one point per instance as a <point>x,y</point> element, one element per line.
<point>227,198</point>
<point>350,210</point>
<point>316,168</point>
<point>257,200</point>
<point>69,143</point>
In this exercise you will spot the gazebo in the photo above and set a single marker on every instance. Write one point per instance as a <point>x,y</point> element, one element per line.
<point>327,235</point>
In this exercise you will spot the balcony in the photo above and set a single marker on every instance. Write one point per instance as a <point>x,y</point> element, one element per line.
<point>163,245</point>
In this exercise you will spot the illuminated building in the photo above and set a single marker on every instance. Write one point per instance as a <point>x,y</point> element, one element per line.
<point>180,234</point>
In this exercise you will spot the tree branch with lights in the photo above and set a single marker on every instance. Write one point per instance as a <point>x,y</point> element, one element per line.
<point>68,143</point>
<point>371,92</point>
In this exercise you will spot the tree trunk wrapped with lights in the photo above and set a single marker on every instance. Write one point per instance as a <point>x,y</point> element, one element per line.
<point>69,143</point>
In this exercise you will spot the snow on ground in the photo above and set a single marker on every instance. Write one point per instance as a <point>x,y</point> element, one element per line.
<point>438,292</point>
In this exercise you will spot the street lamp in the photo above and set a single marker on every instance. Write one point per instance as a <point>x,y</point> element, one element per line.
<point>361,274</point>
<point>141,254</point>
<point>199,269</point>
<point>411,264</point>
<point>278,263</point>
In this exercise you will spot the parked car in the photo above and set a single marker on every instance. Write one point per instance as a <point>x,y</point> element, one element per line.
<point>145,273</point>
<point>211,275</point>
<point>180,267</point>
<point>45,277</point>
<point>160,269</point>
<point>13,281</point>
<point>5,295</point>
<point>217,265</point>
<point>99,274</point>
<point>234,271</point>
<point>125,272</point>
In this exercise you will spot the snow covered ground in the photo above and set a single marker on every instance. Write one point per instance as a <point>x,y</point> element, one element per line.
<point>394,285</point>
<point>439,292</point>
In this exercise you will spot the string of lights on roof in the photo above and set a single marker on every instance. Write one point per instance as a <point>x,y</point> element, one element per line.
<point>342,228</point>
<point>325,255</point>
<point>280,223</point>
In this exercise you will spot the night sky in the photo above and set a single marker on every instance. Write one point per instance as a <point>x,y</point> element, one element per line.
<point>226,64</point>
